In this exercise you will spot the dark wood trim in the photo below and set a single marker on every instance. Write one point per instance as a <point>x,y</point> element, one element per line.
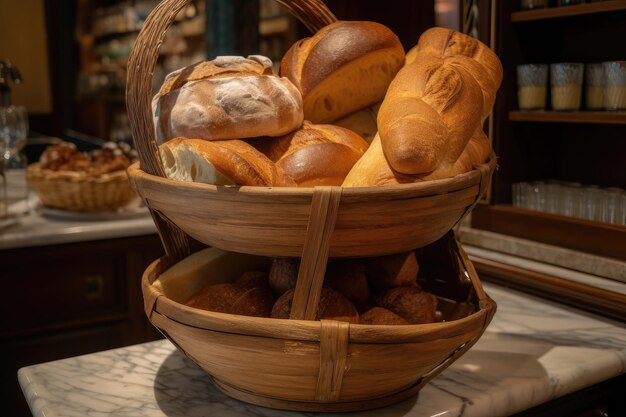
<point>583,235</point>
<point>569,117</point>
<point>565,11</point>
<point>582,296</point>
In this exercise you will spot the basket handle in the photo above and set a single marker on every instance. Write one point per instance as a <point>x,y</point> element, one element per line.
<point>141,64</point>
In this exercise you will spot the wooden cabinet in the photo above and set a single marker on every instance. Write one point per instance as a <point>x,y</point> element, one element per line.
<point>67,300</point>
<point>583,146</point>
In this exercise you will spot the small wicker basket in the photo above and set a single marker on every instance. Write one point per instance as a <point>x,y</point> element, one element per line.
<point>77,191</point>
<point>318,366</point>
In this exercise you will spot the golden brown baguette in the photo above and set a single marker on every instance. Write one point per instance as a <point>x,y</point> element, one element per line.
<point>220,162</point>
<point>430,123</point>
<point>344,67</point>
<point>314,154</point>
<point>226,98</point>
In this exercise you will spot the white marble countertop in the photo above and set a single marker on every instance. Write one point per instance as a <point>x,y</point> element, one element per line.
<point>533,351</point>
<point>42,227</point>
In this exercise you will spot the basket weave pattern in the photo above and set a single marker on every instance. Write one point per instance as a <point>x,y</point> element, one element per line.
<point>314,365</point>
<point>76,191</point>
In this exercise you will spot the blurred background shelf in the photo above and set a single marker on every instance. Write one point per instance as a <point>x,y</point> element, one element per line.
<point>566,11</point>
<point>568,117</point>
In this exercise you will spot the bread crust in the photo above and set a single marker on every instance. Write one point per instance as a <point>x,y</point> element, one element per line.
<point>220,162</point>
<point>344,67</point>
<point>227,98</point>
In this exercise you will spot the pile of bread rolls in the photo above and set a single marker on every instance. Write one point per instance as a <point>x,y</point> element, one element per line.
<point>377,291</point>
<point>348,108</point>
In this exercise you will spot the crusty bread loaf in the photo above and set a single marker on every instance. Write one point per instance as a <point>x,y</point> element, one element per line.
<point>344,67</point>
<point>314,154</point>
<point>430,122</point>
<point>220,163</point>
<point>347,276</point>
<point>227,98</point>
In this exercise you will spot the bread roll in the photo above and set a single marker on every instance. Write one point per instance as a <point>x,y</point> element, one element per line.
<point>283,274</point>
<point>410,303</point>
<point>253,279</point>
<point>430,123</point>
<point>315,154</point>
<point>380,315</point>
<point>398,270</point>
<point>220,163</point>
<point>348,277</point>
<point>234,299</point>
<point>227,98</point>
<point>332,306</point>
<point>344,67</point>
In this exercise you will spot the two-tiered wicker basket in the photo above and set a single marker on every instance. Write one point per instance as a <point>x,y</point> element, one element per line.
<point>298,364</point>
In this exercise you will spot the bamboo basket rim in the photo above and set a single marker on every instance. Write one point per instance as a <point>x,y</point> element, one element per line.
<point>416,189</point>
<point>35,171</point>
<point>296,329</point>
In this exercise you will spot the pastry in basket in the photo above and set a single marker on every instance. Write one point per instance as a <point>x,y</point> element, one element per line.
<point>220,162</point>
<point>229,97</point>
<point>344,67</point>
<point>93,181</point>
<point>430,122</point>
<point>315,154</point>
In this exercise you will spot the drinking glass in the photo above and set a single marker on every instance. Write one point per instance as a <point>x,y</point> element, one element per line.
<point>532,81</point>
<point>615,85</point>
<point>594,86</point>
<point>566,81</point>
<point>13,136</point>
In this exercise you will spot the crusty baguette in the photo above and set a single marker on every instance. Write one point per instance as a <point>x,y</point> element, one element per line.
<point>344,67</point>
<point>430,123</point>
<point>220,163</point>
<point>315,154</point>
<point>227,98</point>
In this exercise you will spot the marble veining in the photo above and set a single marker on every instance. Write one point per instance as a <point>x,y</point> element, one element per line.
<point>532,352</point>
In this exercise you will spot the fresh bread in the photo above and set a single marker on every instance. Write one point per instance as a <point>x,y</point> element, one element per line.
<point>283,274</point>
<point>380,315</point>
<point>410,303</point>
<point>397,270</point>
<point>430,122</point>
<point>227,98</point>
<point>234,299</point>
<point>346,66</point>
<point>362,122</point>
<point>315,154</point>
<point>347,276</point>
<point>332,306</point>
<point>220,163</point>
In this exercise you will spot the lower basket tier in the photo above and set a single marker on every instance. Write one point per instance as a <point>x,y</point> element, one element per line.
<point>310,365</point>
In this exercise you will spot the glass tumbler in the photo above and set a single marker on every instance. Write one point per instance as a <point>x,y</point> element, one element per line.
<point>566,81</point>
<point>594,86</point>
<point>532,81</point>
<point>615,85</point>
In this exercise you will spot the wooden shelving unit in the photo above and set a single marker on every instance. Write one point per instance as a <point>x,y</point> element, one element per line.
<point>586,147</point>
<point>569,117</point>
<point>566,11</point>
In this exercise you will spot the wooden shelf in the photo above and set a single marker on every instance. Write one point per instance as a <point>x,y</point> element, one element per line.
<point>578,234</point>
<point>598,117</point>
<point>565,11</point>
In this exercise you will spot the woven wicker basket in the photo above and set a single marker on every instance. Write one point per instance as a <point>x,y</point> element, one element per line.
<point>76,191</point>
<point>313,365</point>
<point>343,363</point>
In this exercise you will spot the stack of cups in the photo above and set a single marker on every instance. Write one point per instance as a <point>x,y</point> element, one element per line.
<point>532,82</point>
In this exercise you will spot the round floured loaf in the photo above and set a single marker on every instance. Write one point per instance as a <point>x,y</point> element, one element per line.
<point>228,98</point>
